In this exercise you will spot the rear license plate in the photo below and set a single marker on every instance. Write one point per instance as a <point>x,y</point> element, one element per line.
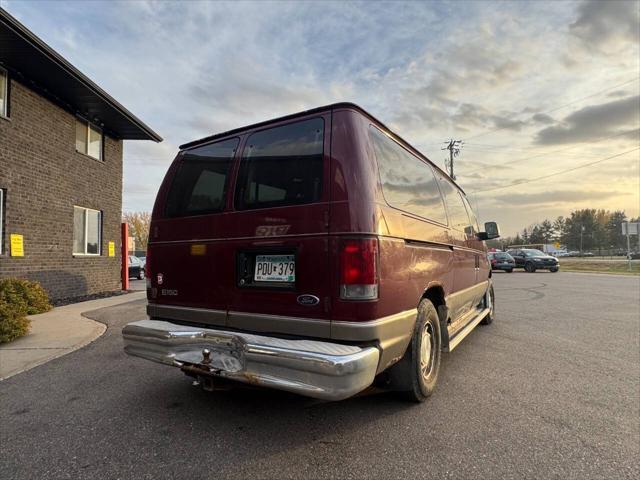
<point>275,268</point>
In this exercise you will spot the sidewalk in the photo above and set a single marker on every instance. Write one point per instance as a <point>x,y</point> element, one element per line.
<point>56,333</point>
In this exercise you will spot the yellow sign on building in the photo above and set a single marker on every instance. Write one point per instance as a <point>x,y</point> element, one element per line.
<point>112,249</point>
<point>17,245</point>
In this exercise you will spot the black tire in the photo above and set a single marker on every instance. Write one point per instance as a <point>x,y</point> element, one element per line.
<point>529,267</point>
<point>554,269</point>
<point>510,270</point>
<point>414,378</point>
<point>141,274</point>
<point>489,301</point>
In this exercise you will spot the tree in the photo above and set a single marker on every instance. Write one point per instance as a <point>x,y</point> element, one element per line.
<point>547,231</point>
<point>138,227</point>
<point>560,229</point>
<point>535,236</point>
<point>613,229</point>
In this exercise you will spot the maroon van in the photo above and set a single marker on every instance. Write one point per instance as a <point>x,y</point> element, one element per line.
<point>313,253</point>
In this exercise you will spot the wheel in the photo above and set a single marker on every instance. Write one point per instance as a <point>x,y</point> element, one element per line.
<point>529,267</point>
<point>489,302</point>
<point>554,269</point>
<point>416,374</point>
<point>509,270</point>
<point>141,274</point>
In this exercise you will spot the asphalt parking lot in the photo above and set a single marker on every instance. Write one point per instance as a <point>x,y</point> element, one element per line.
<point>549,390</point>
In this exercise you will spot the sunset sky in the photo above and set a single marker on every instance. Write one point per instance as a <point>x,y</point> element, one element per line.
<point>532,88</point>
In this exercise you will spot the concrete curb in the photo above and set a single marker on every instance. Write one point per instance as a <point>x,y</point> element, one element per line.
<point>56,333</point>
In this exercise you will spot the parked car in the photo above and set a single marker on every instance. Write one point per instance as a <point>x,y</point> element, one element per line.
<point>136,269</point>
<point>531,260</point>
<point>312,253</point>
<point>501,261</point>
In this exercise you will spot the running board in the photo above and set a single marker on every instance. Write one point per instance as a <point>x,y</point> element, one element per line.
<point>453,343</point>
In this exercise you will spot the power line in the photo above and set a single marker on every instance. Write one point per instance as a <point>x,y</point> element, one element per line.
<point>561,106</point>
<point>517,160</point>
<point>584,165</point>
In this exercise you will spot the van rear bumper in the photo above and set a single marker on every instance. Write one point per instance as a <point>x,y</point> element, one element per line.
<point>318,369</point>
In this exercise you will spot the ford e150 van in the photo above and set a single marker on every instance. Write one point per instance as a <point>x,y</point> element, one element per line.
<point>314,253</point>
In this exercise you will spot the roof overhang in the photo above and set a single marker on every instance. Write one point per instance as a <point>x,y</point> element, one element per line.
<point>33,62</point>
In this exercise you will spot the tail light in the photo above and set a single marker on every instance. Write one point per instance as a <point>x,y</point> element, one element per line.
<point>359,269</point>
<point>493,261</point>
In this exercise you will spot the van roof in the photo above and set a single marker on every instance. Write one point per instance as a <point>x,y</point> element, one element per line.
<point>332,106</point>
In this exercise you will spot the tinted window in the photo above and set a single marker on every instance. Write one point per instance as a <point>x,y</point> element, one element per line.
<point>458,217</point>
<point>472,216</point>
<point>282,166</point>
<point>408,183</point>
<point>200,184</point>
<point>534,253</point>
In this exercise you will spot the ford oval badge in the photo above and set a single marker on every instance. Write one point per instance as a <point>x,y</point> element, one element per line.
<point>308,300</point>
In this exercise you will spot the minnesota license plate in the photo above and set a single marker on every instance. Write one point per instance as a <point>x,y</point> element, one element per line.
<point>275,268</point>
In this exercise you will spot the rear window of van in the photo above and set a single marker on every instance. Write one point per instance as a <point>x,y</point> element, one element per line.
<point>200,184</point>
<point>282,166</point>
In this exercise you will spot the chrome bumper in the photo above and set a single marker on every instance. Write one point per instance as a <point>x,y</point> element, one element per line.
<point>325,370</point>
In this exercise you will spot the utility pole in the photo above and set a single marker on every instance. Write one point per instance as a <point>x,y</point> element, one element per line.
<point>454,147</point>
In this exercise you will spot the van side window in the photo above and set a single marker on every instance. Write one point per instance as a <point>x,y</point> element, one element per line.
<point>282,166</point>
<point>472,216</point>
<point>408,183</point>
<point>458,217</point>
<point>200,184</point>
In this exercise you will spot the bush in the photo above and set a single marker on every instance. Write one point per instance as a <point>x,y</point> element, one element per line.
<point>25,295</point>
<point>19,298</point>
<point>13,322</point>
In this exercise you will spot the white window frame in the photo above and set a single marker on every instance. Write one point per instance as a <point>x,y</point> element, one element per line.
<point>1,219</point>
<point>86,138</point>
<point>5,93</point>
<point>86,231</point>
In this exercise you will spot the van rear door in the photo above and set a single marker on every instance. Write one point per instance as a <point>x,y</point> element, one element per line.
<point>278,229</point>
<point>186,253</point>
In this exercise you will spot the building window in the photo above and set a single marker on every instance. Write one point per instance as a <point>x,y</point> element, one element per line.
<point>87,231</point>
<point>4,93</point>
<point>88,139</point>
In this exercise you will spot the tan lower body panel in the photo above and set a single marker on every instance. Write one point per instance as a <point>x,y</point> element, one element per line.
<point>393,332</point>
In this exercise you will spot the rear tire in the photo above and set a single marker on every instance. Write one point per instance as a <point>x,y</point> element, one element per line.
<point>554,270</point>
<point>141,275</point>
<point>489,302</point>
<point>416,374</point>
<point>510,270</point>
<point>529,267</point>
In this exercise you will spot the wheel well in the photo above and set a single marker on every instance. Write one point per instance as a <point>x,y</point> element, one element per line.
<point>436,295</point>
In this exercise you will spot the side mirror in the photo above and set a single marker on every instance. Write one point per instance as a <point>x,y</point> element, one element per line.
<point>491,230</point>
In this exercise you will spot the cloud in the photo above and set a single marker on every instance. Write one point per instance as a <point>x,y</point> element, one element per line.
<point>555,197</point>
<point>593,122</point>
<point>607,26</point>
<point>542,118</point>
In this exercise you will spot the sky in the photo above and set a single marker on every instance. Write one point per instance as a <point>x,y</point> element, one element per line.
<point>534,89</point>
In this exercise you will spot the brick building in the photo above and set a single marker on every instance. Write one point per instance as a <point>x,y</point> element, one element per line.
<point>60,169</point>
